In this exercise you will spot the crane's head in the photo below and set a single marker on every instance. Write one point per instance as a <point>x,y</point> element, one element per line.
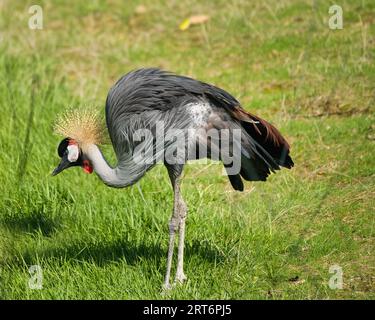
<point>71,156</point>
<point>83,127</point>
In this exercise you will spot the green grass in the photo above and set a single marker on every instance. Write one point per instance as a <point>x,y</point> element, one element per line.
<point>283,63</point>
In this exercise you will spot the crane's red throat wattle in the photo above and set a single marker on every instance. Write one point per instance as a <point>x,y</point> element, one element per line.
<point>87,167</point>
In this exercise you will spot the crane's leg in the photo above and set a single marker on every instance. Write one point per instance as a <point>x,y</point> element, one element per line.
<point>173,225</point>
<point>177,222</point>
<point>180,276</point>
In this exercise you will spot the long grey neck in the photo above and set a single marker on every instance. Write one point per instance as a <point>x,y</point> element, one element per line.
<point>113,177</point>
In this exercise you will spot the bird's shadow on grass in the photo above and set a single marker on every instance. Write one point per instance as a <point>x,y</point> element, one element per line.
<point>101,253</point>
<point>32,222</point>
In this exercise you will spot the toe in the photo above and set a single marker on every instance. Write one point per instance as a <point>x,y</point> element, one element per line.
<point>180,278</point>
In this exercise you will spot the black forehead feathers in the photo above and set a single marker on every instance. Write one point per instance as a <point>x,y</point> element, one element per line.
<point>62,147</point>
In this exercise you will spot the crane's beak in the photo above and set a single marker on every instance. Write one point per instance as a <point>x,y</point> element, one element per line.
<point>64,163</point>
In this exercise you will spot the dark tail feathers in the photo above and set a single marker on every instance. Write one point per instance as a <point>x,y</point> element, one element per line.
<point>272,149</point>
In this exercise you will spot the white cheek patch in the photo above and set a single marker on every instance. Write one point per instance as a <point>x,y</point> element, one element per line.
<point>73,153</point>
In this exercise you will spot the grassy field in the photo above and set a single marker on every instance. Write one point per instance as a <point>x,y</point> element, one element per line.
<point>276,240</point>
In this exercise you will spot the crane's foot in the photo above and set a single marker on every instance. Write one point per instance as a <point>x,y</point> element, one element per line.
<point>180,277</point>
<point>167,287</point>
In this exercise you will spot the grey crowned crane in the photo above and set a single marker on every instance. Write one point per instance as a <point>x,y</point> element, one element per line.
<point>156,116</point>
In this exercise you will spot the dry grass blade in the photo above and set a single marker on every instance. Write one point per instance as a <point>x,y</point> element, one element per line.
<point>197,19</point>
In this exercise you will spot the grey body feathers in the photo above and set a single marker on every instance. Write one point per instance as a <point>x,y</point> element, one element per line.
<point>144,97</point>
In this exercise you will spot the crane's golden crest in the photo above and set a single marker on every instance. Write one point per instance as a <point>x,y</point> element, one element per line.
<point>83,125</point>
